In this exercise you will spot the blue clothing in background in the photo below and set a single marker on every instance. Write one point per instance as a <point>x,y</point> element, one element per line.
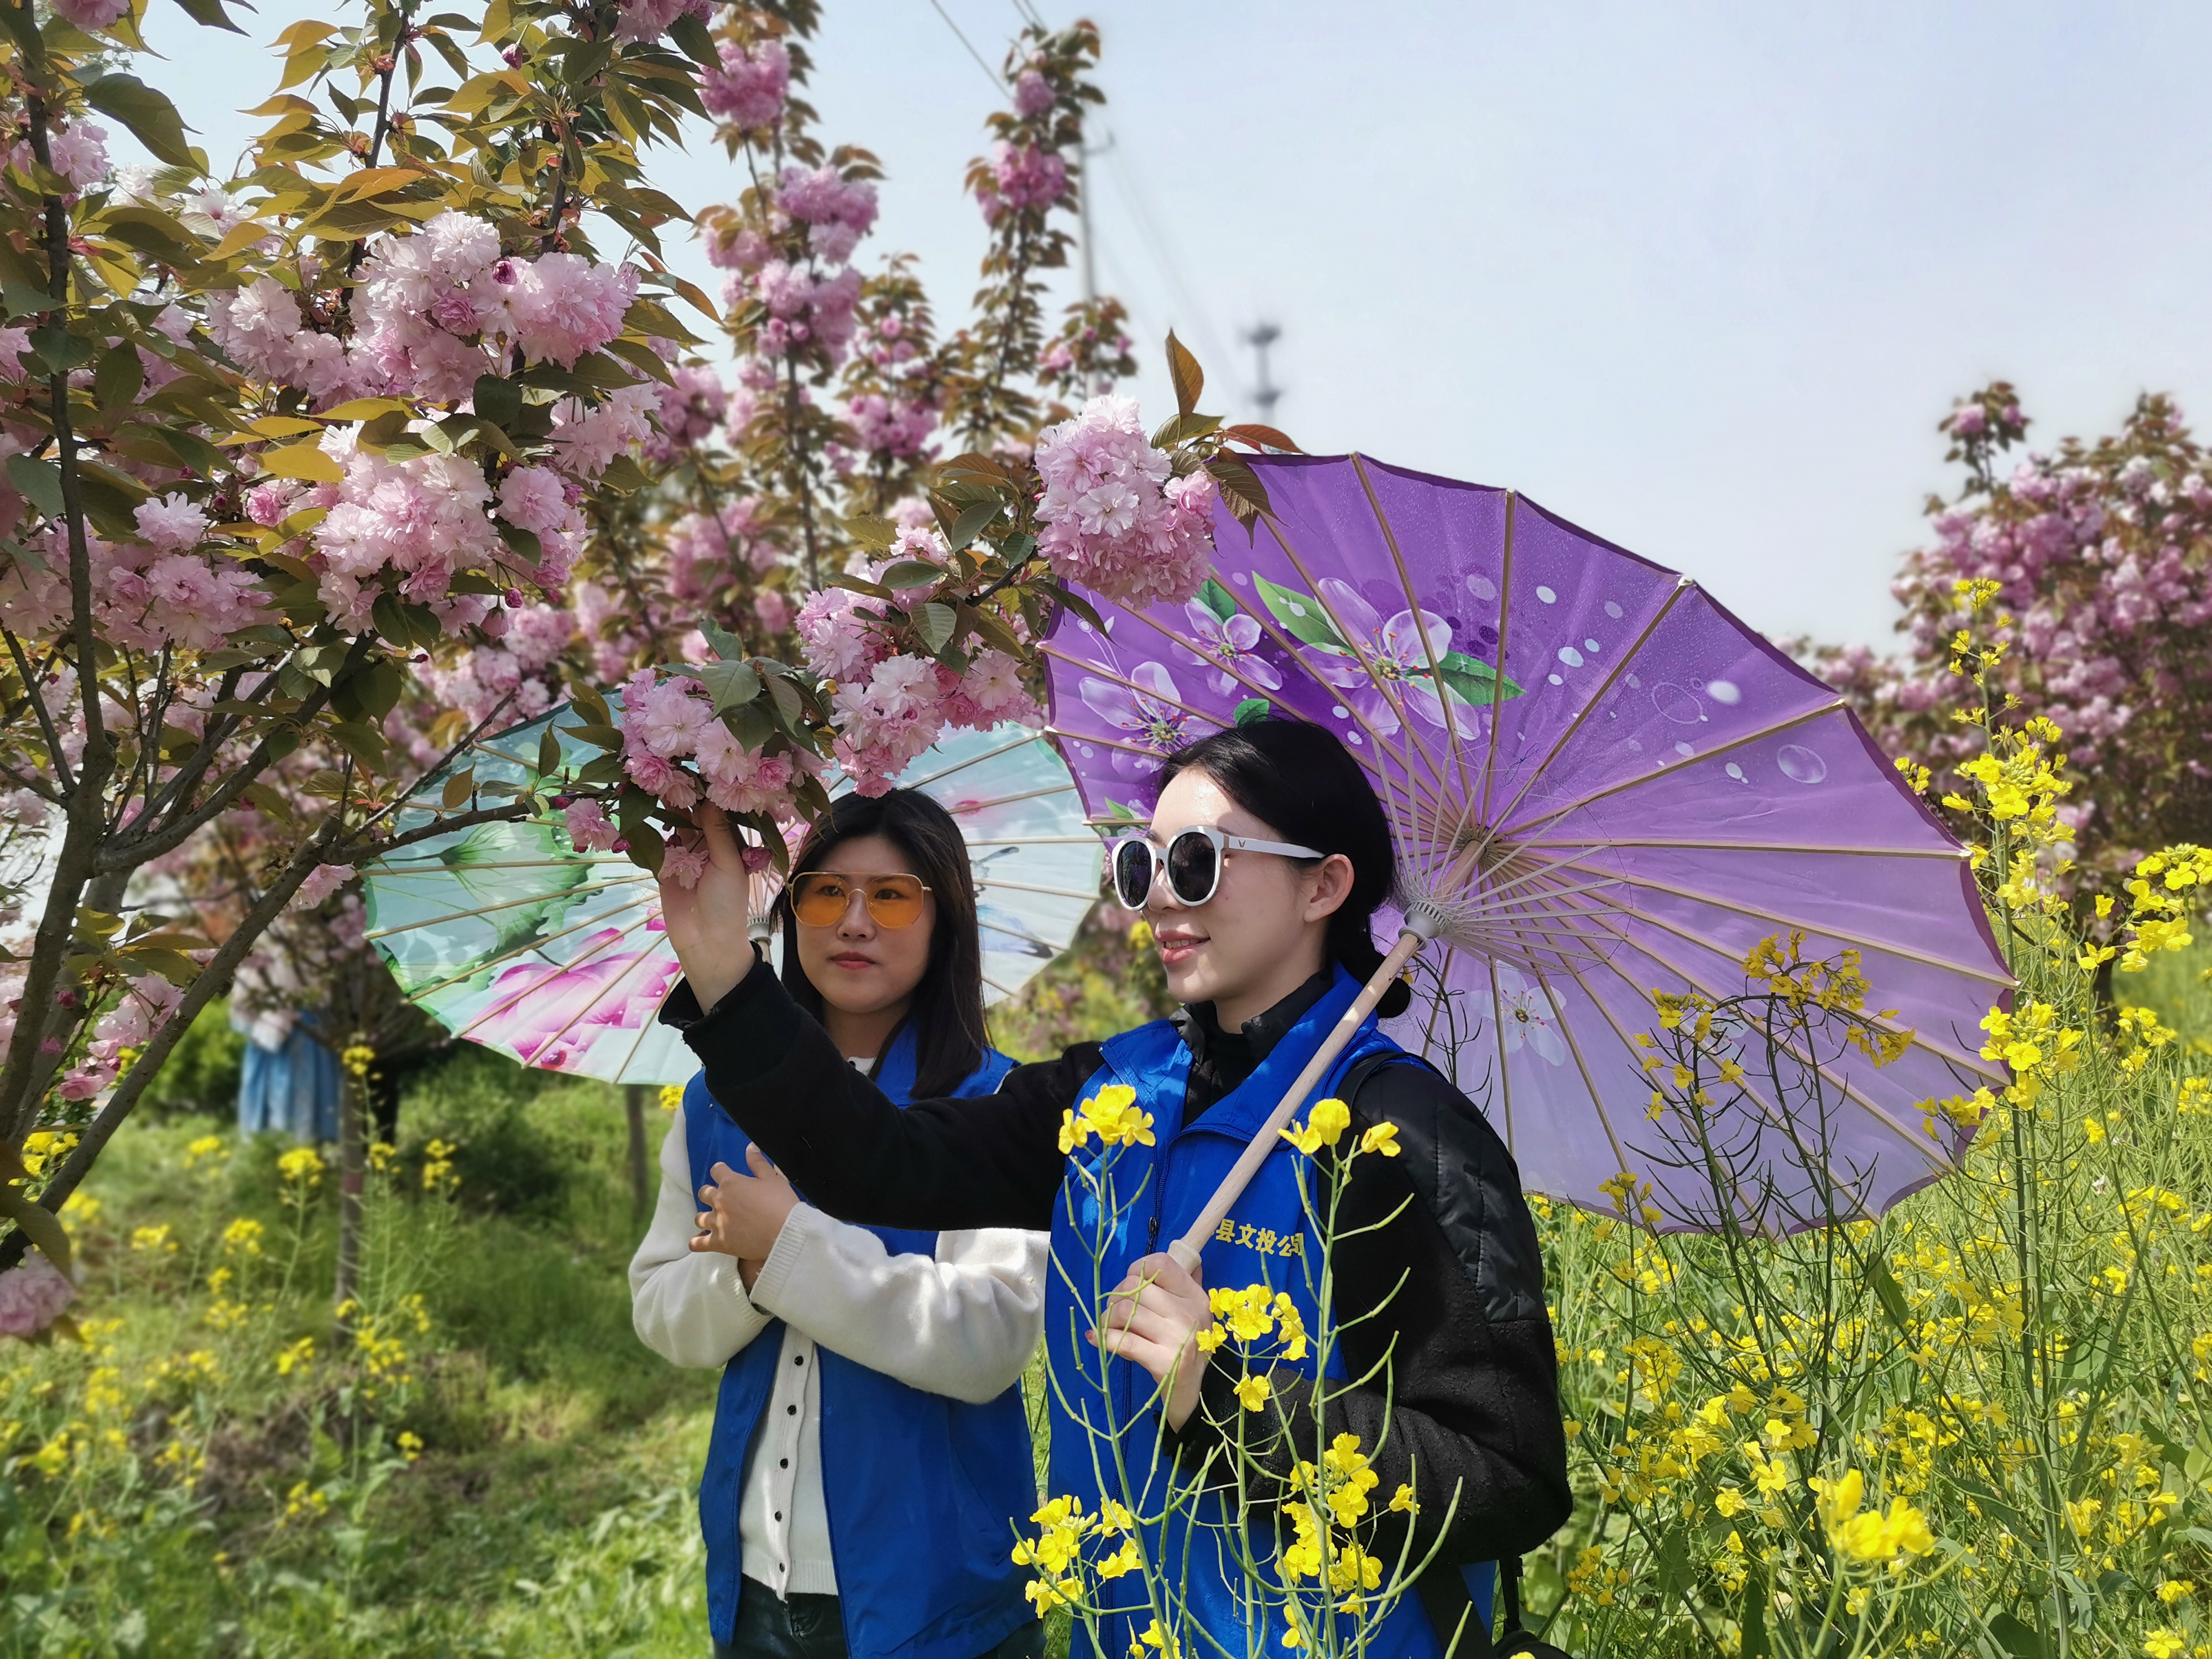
<point>291,1089</point>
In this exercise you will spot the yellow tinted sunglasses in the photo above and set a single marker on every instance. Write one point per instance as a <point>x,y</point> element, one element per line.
<point>819,899</point>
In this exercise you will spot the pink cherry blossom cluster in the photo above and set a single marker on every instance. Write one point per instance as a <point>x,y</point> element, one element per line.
<point>91,14</point>
<point>437,309</point>
<point>749,88</point>
<point>511,676</point>
<point>1021,176</point>
<point>33,1293</point>
<point>666,721</point>
<point>905,704</point>
<point>648,19</point>
<point>703,552</point>
<point>690,411</point>
<point>1113,518</point>
<point>80,152</point>
<point>890,425</point>
<point>804,306</point>
<point>837,211</point>
<point>158,591</point>
<point>145,1004</point>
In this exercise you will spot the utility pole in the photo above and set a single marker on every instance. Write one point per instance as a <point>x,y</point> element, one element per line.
<point>1260,337</point>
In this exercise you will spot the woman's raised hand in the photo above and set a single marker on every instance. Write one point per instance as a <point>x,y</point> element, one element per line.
<point>708,922</point>
<point>1154,1316</point>
<point>744,1213</point>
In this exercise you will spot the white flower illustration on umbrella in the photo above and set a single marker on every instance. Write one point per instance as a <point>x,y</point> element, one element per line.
<point>1527,1017</point>
<point>1399,653</point>
<point>1224,645</point>
<point>1153,722</point>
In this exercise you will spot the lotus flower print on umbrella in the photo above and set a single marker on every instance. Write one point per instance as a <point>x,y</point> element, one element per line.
<point>1605,791</point>
<point>556,958</point>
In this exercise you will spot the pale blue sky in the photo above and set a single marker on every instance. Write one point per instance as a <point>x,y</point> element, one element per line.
<point>1702,278</point>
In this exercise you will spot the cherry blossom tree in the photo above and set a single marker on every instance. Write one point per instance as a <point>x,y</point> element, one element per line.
<point>2100,555</point>
<point>316,473</point>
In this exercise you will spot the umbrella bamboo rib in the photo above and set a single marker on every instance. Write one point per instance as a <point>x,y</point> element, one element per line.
<point>1505,601</point>
<point>1008,800</point>
<point>1498,1033</point>
<point>1017,933</point>
<point>1597,1100</point>
<point>1682,585</point>
<point>1770,1109</point>
<point>596,998</point>
<point>1428,646</point>
<point>1519,831</point>
<point>528,945</point>
<point>1826,930</point>
<point>617,936</point>
<point>1609,842</point>
<point>1942,1051</point>
<point>395,869</point>
<point>1350,635</point>
<point>507,904</point>
<point>993,881</point>
<point>1880,1114</point>
<point>644,1029</point>
<point>1253,686</point>
<point>1031,840</point>
<point>962,765</point>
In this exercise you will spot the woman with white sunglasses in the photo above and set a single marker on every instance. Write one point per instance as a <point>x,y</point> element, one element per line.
<point>1265,860</point>
<point>869,1438</point>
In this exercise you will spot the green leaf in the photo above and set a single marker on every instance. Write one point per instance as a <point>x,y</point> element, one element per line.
<point>872,532</point>
<point>457,788</point>
<point>1241,489</point>
<point>38,482</point>
<point>972,522</point>
<point>647,847</point>
<point>692,39</point>
<point>38,1225</point>
<point>911,572</point>
<point>58,348</point>
<point>589,703</point>
<point>499,401</point>
<point>1471,680</point>
<point>1301,616</point>
<point>549,753</point>
<point>115,384</point>
<point>727,646</point>
<point>1218,600</point>
<point>210,14</point>
<point>1253,710</point>
<point>730,684</point>
<point>1184,370</point>
<point>152,118</point>
<point>2022,1640</point>
<point>933,624</point>
<point>1890,1293</point>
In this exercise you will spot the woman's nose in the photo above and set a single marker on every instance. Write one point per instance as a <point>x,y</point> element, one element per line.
<point>856,922</point>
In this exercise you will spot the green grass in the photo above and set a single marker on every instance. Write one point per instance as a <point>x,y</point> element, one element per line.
<point>550,1508</point>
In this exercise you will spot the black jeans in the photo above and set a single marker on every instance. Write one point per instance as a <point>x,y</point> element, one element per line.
<point>811,1627</point>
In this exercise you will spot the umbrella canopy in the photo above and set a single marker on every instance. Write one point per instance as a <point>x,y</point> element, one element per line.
<point>1603,788</point>
<point>557,958</point>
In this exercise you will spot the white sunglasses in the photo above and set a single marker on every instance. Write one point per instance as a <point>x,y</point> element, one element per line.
<point>1192,862</point>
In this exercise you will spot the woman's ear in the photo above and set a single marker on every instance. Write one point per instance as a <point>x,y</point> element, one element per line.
<point>1330,884</point>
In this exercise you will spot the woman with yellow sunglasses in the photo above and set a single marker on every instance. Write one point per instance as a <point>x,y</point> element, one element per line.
<point>869,1440</point>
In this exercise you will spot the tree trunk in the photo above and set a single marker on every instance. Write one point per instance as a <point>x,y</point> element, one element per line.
<point>353,1173</point>
<point>640,1188</point>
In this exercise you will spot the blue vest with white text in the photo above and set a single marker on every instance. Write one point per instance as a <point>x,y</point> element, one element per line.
<point>1268,1238</point>
<point>923,1491</point>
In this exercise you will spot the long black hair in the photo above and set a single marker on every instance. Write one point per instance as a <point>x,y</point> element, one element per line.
<point>1300,780</point>
<point>947,1012</point>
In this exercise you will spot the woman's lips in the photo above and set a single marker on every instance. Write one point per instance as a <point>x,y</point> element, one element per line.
<point>852,961</point>
<point>1178,950</point>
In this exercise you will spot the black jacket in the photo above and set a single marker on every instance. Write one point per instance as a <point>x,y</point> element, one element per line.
<point>1437,1238</point>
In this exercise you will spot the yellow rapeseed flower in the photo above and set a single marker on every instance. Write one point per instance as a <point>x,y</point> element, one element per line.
<point>1252,1391</point>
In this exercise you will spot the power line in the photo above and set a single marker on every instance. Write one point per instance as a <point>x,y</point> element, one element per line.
<point>997,85</point>
<point>1155,243</point>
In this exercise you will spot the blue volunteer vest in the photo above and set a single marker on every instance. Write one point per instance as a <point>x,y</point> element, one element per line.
<point>1268,1239</point>
<point>922,1491</point>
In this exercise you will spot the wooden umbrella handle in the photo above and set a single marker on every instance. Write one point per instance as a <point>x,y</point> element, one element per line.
<point>1184,1251</point>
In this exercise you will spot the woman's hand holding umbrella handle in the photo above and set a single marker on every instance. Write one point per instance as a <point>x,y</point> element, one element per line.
<point>710,923</point>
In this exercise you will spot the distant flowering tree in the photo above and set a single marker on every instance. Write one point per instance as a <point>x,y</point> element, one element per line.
<point>2091,570</point>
